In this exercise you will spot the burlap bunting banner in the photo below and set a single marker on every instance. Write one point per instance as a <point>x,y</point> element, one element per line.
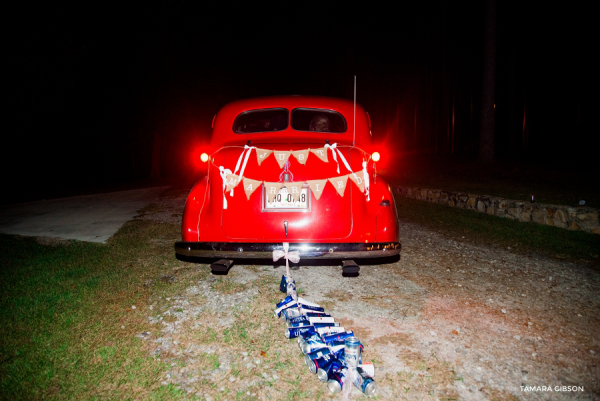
<point>272,189</point>
<point>232,181</point>
<point>301,155</point>
<point>321,153</point>
<point>250,186</point>
<point>262,154</point>
<point>294,189</point>
<point>358,180</point>
<point>281,156</point>
<point>339,183</point>
<point>316,187</point>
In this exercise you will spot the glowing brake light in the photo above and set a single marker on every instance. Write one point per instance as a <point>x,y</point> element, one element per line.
<point>375,156</point>
<point>204,157</point>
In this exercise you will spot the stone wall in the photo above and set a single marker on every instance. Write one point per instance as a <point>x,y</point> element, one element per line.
<point>573,218</point>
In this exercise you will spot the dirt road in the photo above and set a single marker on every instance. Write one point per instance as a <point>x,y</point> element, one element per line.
<point>450,320</point>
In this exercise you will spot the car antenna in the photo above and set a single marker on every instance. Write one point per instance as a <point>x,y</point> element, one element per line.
<point>354,124</point>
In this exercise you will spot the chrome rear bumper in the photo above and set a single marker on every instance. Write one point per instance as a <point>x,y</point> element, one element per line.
<point>229,250</point>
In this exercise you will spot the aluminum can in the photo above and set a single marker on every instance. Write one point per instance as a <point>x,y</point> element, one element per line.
<point>316,325</point>
<point>286,300</point>
<point>336,343</point>
<point>368,368</point>
<point>311,344</point>
<point>352,352</point>
<point>308,303</point>
<point>303,338</point>
<point>284,284</point>
<point>310,314</point>
<point>365,382</point>
<point>316,314</point>
<point>320,353</point>
<point>338,336</point>
<point>289,313</point>
<point>321,319</point>
<point>300,324</point>
<point>329,330</point>
<point>293,332</point>
<point>324,371</point>
<point>316,364</point>
<point>299,319</point>
<point>285,306</point>
<point>315,319</point>
<point>310,308</point>
<point>291,289</point>
<point>342,358</point>
<point>336,381</point>
<point>324,325</point>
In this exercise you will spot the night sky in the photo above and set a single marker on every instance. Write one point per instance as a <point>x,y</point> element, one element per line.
<point>90,85</point>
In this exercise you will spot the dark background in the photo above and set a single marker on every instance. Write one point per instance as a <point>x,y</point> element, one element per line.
<point>90,86</point>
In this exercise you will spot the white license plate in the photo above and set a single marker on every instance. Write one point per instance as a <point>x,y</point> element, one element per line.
<point>283,201</point>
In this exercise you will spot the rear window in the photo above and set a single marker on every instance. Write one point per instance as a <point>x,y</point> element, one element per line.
<point>318,120</point>
<point>264,120</point>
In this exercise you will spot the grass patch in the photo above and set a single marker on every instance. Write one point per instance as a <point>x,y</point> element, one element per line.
<point>227,286</point>
<point>482,228</point>
<point>67,319</point>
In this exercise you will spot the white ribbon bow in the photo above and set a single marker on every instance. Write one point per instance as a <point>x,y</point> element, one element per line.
<point>224,172</point>
<point>334,148</point>
<point>294,256</point>
<point>237,166</point>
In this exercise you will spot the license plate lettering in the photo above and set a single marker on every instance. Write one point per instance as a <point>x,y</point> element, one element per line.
<point>283,201</point>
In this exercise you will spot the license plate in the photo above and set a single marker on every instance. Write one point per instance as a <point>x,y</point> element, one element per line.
<point>283,201</point>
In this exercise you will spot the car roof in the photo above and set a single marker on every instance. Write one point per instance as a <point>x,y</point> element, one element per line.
<point>223,124</point>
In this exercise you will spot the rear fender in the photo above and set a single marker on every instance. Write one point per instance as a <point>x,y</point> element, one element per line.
<point>386,216</point>
<point>196,200</point>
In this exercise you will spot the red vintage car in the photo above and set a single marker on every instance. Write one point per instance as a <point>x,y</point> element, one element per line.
<point>290,169</point>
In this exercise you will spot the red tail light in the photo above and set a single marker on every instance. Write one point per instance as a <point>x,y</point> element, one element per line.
<point>204,157</point>
<point>375,156</point>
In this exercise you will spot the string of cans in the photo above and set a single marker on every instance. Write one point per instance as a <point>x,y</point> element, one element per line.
<point>330,351</point>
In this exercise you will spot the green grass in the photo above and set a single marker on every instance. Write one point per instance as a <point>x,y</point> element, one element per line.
<point>62,307</point>
<point>482,228</point>
<point>61,311</point>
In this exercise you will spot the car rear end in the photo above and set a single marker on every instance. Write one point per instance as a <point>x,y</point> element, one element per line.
<point>326,221</point>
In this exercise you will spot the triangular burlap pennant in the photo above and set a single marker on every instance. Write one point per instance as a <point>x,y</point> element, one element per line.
<point>262,154</point>
<point>232,181</point>
<point>339,183</point>
<point>321,153</point>
<point>358,180</point>
<point>316,187</point>
<point>294,189</point>
<point>281,156</point>
<point>250,186</point>
<point>272,189</point>
<point>301,155</point>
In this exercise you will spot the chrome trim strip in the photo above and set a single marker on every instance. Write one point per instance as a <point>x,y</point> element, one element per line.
<point>307,250</point>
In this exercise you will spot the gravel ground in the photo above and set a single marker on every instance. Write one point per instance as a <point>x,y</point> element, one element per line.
<point>450,320</point>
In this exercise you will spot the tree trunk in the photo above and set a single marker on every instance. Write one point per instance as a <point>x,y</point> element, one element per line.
<point>486,138</point>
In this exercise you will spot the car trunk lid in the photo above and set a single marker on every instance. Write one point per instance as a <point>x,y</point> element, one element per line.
<point>327,219</point>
